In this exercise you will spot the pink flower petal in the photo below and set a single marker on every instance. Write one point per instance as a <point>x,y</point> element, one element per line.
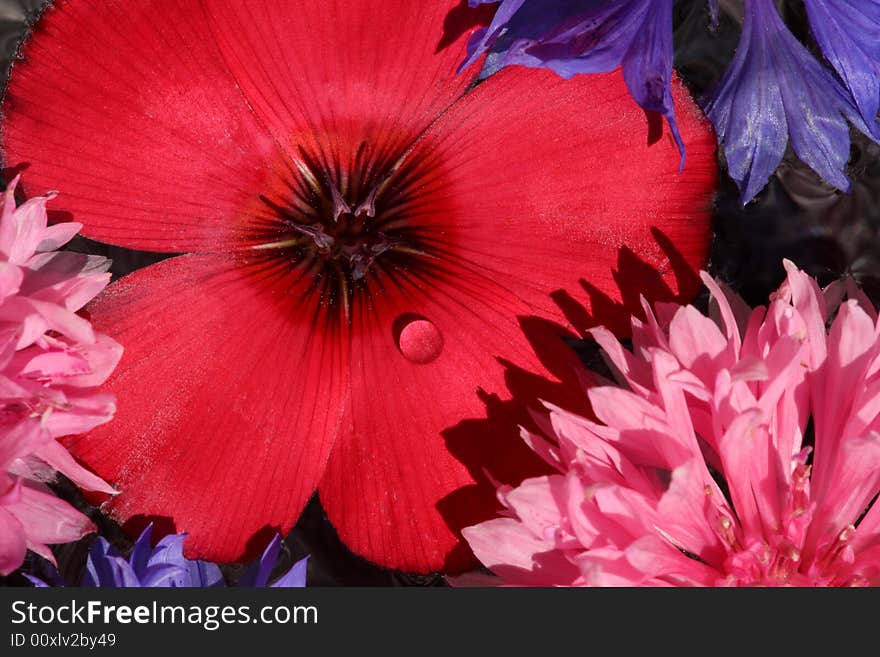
<point>539,503</point>
<point>13,544</point>
<point>47,519</point>
<point>60,460</point>
<point>517,556</point>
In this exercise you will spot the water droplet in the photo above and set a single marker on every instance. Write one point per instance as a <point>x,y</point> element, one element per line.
<point>420,341</point>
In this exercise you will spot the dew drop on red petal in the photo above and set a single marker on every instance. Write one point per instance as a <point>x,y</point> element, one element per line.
<point>420,341</point>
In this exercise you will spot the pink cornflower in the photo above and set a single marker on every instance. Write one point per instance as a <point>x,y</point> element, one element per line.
<point>51,362</point>
<point>740,449</point>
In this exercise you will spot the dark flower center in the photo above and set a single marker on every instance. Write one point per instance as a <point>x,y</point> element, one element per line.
<point>342,234</point>
<point>348,217</point>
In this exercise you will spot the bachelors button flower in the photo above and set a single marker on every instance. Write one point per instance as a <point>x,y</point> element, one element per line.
<point>165,566</point>
<point>363,227</point>
<point>700,470</point>
<point>848,32</point>
<point>51,362</point>
<point>773,91</point>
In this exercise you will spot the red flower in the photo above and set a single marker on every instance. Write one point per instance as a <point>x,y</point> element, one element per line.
<point>365,232</point>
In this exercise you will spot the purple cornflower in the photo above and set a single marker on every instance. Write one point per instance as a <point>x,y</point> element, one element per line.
<point>775,92</point>
<point>165,566</point>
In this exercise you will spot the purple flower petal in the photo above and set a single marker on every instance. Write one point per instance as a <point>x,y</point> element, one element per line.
<point>295,578</point>
<point>106,567</point>
<point>169,550</point>
<point>484,39</point>
<point>166,566</point>
<point>775,90</point>
<point>164,575</point>
<point>140,553</point>
<point>205,574</point>
<point>647,66</point>
<point>190,573</point>
<point>50,576</point>
<point>98,569</point>
<point>595,40</point>
<point>848,31</point>
<point>257,574</point>
<point>713,12</point>
<point>37,582</point>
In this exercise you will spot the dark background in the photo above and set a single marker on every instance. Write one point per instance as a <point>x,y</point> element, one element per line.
<point>797,216</point>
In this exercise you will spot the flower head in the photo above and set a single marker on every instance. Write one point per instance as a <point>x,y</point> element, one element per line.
<point>51,362</point>
<point>165,566</point>
<point>738,450</point>
<point>846,31</point>
<point>365,235</point>
<point>774,91</point>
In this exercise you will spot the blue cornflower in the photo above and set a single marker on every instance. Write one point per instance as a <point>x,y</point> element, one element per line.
<point>165,566</point>
<point>775,92</point>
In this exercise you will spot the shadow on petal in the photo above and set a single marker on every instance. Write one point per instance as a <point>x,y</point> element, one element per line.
<point>490,447</point>
<point>634,278</point>
<point>461,19</point>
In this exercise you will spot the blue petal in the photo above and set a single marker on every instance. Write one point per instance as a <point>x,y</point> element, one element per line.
<point>258,573</point>
<point>168,566</point>
<point>595,40</point>
<point>170,550</point>
<point>775,90</point>
<point>713,12</point>
<point>49,572</point>
<point>140,553</point>
<point>848,31</point>
<point>482,40</point>
<point>205,574</point>
<point>162,566</point>
<point>111,571</point>
<point>749,116</point>
<point>568,36</point>
<point>169,553</point>
<point>37,582</point>
<point>295,577</point>
<point>101,570</point>
<point>160,575</point>
<point>647,67</point>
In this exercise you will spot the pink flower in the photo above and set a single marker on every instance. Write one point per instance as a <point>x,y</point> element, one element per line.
<point>703,468</point>
<point>51,362</point>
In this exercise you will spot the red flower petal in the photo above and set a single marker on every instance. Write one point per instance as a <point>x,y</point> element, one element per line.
<point>340,68</point>
<point>561,186</point>
<point>110,92</point>
<point>142,128</point>
<point>229,397</point>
